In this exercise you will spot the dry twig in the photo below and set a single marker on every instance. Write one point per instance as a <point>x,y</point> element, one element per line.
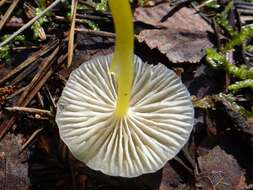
<point>2,2</point>
<point>30,110</point>
<point>29,61</point>
<point>30,140</point>
<point>94,32</point>
<point>72,32</point>
<point>27,25</point>
<point>44,72</point>
<point>8,13</point>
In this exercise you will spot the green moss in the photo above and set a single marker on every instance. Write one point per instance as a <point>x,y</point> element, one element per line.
<point>208,102</point>
<point>222,19</point>
<point>218,60</point>
<point>90,24</point>
<point>42,4</point>
<point>38,24</point>
<point>213,5</point>
<point>18,38</point>
<point>204,103</point>
<point>5,53</point>
<point>102,6</point>
<point>239,38</point>
<point>142,2</point>
<point>215,59</point>
<point>248,83</point>
<point>82,7</point>
<point>249,48</point>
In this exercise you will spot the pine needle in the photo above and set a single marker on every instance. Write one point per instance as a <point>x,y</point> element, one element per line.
<point>72,32</point>
<point>8,13</point>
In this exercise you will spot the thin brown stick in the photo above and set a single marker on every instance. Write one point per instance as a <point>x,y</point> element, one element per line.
<point>28,71</point>
<point>184,165</point>
<point>25,48</point>
<point>204,4</point>
<point>17,92</point>
<point>61,18</point>
<point>40,99</point>
<point>50,97</point>
<point>27,25</point>
<point>27,95</point>
<point>29,141</point>
<point>2,2</point>
<point>30,110</point>
<point>91,17</point>
<point>95,32</point>
<point>72,33</point>
<point>8,13</point>
<point>35,85</point>
<point>28,61</point>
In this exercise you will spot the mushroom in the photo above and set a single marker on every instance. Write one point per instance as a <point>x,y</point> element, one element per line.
<point>124,130</point>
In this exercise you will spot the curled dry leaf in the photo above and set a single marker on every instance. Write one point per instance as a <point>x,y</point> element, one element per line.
<point>182,37</point>
<point>219,170</point>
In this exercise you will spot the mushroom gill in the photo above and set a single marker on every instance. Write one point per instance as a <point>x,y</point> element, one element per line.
<point>157,125</point>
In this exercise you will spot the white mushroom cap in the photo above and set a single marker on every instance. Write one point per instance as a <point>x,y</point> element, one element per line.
<point>158,123</point>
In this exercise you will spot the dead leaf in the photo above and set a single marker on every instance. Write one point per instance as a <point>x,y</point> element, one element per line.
<point>3,71</point>
<point>182,37</point>
<point>219,171</point>
<point>88,48</point>
<point>171,179</point>
<point>13,173</point>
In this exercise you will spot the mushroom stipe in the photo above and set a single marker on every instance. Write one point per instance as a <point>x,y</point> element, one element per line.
<point>157,125</point>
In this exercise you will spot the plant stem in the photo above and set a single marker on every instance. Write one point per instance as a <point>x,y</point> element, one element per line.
<point>122,61</point>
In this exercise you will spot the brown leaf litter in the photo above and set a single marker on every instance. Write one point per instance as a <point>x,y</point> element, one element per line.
<point>13,173</point>
<point>219,171</point>
<point>182,37</point>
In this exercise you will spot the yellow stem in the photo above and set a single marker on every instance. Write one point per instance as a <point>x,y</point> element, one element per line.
<point>122,61</point>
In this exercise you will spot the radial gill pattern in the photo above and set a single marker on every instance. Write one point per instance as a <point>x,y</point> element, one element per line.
<point>158,123</point>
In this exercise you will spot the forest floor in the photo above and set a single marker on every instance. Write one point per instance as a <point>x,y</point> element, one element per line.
<point>207,43</point>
